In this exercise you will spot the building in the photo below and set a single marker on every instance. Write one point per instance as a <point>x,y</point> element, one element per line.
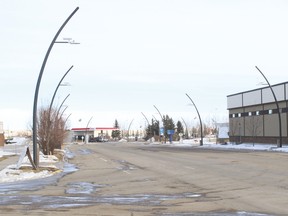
<point>254,118</point>
<point>222,132</point>
<point>2,139</point>
<point>81,134</point>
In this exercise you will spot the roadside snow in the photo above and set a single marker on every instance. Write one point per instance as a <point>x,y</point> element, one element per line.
<point>14,172</point>
<point>25,172</point>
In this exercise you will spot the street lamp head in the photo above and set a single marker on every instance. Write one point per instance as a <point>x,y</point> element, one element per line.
<point>65,84</point>
<point>67,40</point>
<point>73,42</point>
<point>262,83</point>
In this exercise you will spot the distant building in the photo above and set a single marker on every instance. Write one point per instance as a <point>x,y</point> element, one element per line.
<point>2,139</point>
<point>222,132</point>
<point>86,133</point>
<point>253,115</point>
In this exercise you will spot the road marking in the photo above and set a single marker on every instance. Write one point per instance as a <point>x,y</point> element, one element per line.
<point>125,171</point>
<point>187,167</point>
<point>103,159</point>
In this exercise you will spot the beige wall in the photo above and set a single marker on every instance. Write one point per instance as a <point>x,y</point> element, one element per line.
<point>2,139</point>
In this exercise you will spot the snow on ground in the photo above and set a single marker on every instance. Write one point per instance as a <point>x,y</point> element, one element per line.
<point>11,173</point>
<point>243,146</point>
<point>22,170</point>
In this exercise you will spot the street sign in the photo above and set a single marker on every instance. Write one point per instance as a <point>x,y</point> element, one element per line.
<point>161,131</point>
<point>170,132</point>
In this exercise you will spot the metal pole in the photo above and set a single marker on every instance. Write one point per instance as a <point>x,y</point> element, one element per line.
<point>162,122</point>
<point>277,105</point>
<point>51,103</point>
<point>201,143</point>
<point>49,111</point>
<point>50,122</point>
<point>61,105</point>
<point>34,135</point>
<point>186,128</point>
<point>87,130</point>
<point>129,129</point>
<point>148,125</point>
<point>145,118</point>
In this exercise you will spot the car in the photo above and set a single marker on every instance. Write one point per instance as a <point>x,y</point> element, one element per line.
<point>98,139</point>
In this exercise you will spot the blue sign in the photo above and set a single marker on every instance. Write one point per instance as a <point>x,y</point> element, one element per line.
<point>161,131</point>
<point>170,132</point>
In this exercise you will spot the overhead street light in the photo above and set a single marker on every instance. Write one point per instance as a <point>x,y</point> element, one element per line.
<point>201,142</point>
<point>277,105</point>
<point>67,40</point>
<point>34,134</point>
<point>86,138</point>
<point>162,122</point>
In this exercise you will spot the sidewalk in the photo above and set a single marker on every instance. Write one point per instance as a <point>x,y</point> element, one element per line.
<point>10,154</point>
<point>8,160</point>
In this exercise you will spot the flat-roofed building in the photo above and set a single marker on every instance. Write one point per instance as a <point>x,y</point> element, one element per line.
<point>253,115</point>
<point>2,139</point>
<point>81,133</point>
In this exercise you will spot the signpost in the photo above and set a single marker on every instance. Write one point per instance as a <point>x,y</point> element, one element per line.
<point>170,133</point>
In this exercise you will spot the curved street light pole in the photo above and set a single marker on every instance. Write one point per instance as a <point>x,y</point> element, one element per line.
<point>277,105</point>
<point>129,130</point>
<point>201,142</point>
<point>61,105</point>
<point>186,128</point>
<point>162,122</point>
<point>60,82</point>
<point>34,134</point>
<point>48,128</point>
<point>50,123</point>
<point>87,140</point>
<point>149,128</point>
<point>145,118</point>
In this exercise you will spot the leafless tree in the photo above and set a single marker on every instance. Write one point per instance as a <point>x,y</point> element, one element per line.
<point>233,126</point>
<point>254,127</point>
<point>51,130</point>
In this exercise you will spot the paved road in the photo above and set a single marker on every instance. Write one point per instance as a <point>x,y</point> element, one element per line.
<point>137,179</point>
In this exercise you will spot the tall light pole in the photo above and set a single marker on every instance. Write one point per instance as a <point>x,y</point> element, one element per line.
<point>48,128</point>
<point>129,129</point>
<point>34,135</point>
<point>149,128</point>
<point>60,82</point>
<point>201,142</point>
<point>277,105</point>
<point>86,141</point>
<point>186,128</point>
<point>162,122</point>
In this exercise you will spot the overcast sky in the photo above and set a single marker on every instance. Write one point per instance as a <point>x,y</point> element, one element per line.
<point>135,54</point>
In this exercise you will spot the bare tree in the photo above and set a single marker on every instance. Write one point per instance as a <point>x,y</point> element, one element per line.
<point>254,127</point>
<point>51,130</point>
<point>233,126</point>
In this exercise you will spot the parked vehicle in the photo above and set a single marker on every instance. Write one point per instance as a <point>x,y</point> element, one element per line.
<point>98,139</point>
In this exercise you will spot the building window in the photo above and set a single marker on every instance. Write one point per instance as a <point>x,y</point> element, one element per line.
<point>275,111</point>
<point>249,113</point>
<point>239,114</point>
<point>257,113</point>
<point>270,112</point>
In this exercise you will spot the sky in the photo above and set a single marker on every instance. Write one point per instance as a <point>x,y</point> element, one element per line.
<point>135,54</point>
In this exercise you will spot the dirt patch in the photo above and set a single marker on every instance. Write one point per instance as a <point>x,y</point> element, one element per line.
<point>40,169</point>
<point>3,158</point>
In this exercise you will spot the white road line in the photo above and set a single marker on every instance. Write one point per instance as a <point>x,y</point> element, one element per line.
<point>187,167</point>
<point>125,171</point>
<point>103,159</point>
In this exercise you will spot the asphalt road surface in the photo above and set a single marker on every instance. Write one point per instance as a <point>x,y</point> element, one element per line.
<point>139,179</point>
